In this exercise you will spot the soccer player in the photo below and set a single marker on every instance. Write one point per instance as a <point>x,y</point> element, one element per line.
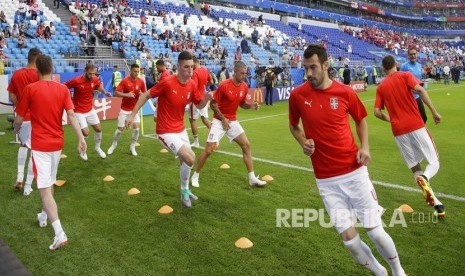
<point>84,87</point>
<point>412,137</point>
<point>45,100</point>
<point>341,174</point>
<point>20,79</point>
<point>203,78</point>
<point>129,89</point>
<point>230,94</point>
<point>174,93</point>
<point>415,68</point>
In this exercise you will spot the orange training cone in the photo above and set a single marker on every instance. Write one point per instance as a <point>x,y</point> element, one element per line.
<point>243,243</point>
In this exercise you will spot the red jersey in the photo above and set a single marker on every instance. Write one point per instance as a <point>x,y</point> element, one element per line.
<point>172,100</point>
<point>395,92</point>
<point>324,115</point>
<point>20,79</point>
<point>229,96</point>
<point>127,85</point>
<point>203,77</point>
<point>46,101</point>
<point>83,92</point>
<point>164,74</point>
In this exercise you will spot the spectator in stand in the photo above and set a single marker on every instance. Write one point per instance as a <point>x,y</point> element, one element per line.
<point>15,31</point>
<point>17,19</point>
<point>3,17</point>
<point>52,29</point>
<point>22,42</point>
<point>34,9</point>
<point>2,43</point>
<point>40,30</point>
<point>22,8</point>
<point>3,56</point>
<point>47,33</point>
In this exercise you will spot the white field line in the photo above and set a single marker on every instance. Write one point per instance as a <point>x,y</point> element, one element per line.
<point>286,165</point>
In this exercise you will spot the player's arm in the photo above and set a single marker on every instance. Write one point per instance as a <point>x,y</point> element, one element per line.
<point>380,115</point>
<point>426,99</point>
<point>124,95</point>
<point>363,154</point>
<point>208,97</point>
<point>143,98</point>
<point>13,99</point>
<point>18,122</point>
<point>103,91</point>
<point>224,121</point>
<point>308,145</point>
<point>82,146</point>
<point>253,105</point>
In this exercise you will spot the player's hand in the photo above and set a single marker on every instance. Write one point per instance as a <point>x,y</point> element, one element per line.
<point>209,96</point>
<point>363,156</point>
<point>225,122</point>
<point>130,95</point>
<point>309,147</point>
<point>108,94</point>
<point>128,121</point>
<point>437,118</point>
<point>255,106</point>
<point>17,128</point>
<point>82,146</point>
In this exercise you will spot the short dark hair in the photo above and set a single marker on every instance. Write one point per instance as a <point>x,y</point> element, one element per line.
<point>33,54</point>
<point>135,65</point>
<point>412,47</point>
<point>238,65</point>
<point>160,62</point>
<point>389,62</point>
<point>195,59</point>
<point>44,64</point>
<point>316,49</point>
<point>184,55</point>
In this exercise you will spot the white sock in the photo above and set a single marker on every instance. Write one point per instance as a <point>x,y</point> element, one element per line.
<point>196,139</point>
<point>363,255</point>
<point>30,173</point>
<point>22,155</point>
<point>135,136</point>
<point>117,136</point>
<point>387,249</point>
<point>97,139</point>
<point>196,174</point>
<point>431,169</point>
<point>185,174</point>
<point>57,227</point>
<point>251,175</point>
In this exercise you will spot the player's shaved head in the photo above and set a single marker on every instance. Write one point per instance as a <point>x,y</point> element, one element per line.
<point>388,62</point>
<point>239,65</point>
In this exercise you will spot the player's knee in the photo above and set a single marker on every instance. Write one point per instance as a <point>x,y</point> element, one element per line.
<point>209,149</point>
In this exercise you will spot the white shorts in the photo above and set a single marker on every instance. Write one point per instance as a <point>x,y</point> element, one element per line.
<point>90,118</point>
<point>45,166</point>
<point>348,197</point>
<point>174,141</point>
<point>195,113</point>
<point>416,146</point>
<point>217,132</point>
<point>123,114</point>
<point>25,133</point>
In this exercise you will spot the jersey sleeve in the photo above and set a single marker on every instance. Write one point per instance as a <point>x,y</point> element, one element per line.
<point>412,81</point>
<point>159,88</point>
<point>67,103</point>
<point>294,111</point>
<point>71,83</point>
<point>12,86</point>
<point>23,105</point>
<point>356,108</point>
<point>379,102</point>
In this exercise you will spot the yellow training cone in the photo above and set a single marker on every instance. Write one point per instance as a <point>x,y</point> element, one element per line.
<point>225,166</point>
<point>60,183</point>
<point>404,208</point>
<point>137,145</point>
<point>163,151</point>
<point>267,178</point>
<point>165,210</point>
<point>133,191</point>
<point>108,178</point>
<point>63,156</point>
<point>243,243</point>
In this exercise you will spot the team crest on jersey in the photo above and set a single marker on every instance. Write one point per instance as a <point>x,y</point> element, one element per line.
<point>334,103</point>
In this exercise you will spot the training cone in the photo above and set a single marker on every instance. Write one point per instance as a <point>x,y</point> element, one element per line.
<point>63,156</point>
<point>164,210</point>
<point>163,151</point>
<point>137,145</point>
<point>133,191</point>
<point>404,208</point>
<point>60,183</point>
<point>267,178</point>
<point>225,166</point>
<point>243,243</point>
<point>448,94</point>
<point>108,178</point>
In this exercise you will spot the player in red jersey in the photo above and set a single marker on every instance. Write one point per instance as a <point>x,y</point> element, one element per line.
<point>83,95</point>
<point>174,93</point>
<point>203,78</point>
<point>230,94</point>
<point>162,73</point>
<point>129,89</point>
<point>20,79</point>
<point>340,168</point>
<point>45,100</point>
<point>408,126</point>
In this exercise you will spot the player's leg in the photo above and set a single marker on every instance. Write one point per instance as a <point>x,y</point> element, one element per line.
<point>81,117</point>
<point>25,140</point>
<point>118,131</point>
<point>214,136</point>
<point>135,135</point>
<point>94,121</point>
<point>237,134</point>
<point>193,116</point>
